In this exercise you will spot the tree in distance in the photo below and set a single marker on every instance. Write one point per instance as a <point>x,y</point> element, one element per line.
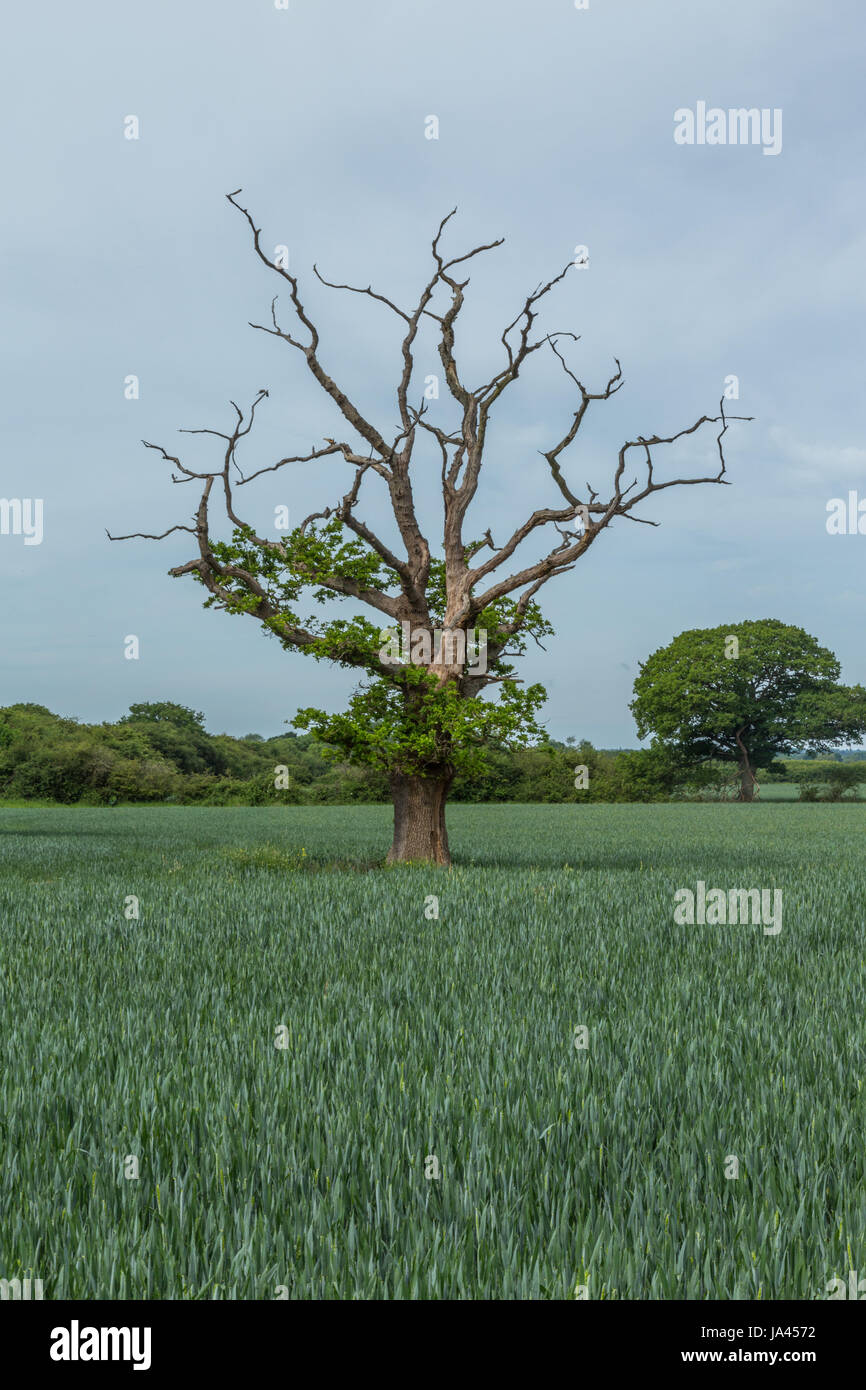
<point>745,693</point>
<point>419,715</point>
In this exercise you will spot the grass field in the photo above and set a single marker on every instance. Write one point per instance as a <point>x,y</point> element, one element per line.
<point>411,1038</point>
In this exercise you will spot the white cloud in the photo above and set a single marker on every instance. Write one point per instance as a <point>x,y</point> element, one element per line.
<point>821,460</point>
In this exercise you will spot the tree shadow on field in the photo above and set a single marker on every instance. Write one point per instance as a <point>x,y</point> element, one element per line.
<point>56,833</point>
<point>675,859</point>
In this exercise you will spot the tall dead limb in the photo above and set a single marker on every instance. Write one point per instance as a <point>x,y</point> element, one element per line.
<point>472,584</point>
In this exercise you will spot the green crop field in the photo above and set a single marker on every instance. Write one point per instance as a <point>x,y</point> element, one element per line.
<point>414,1044</point>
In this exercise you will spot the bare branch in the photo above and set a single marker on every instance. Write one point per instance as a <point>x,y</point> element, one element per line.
<point>209,568</point>
<point>403,592</point>
<point>355,290</point>
<point>145,536</point>
<point>348,410</point>
<point>563,556</point>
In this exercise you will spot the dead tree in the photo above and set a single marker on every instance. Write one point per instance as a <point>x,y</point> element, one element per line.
<point>418,718</point>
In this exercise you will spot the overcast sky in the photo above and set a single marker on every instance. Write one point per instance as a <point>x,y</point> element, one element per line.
<point>555,129</point>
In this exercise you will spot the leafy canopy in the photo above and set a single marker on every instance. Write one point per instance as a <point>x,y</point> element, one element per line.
<point>779,693</point>
<point>403,719</point>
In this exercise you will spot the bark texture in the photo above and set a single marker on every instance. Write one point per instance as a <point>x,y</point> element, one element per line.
<point>419,818</point>
<point>748,782</point>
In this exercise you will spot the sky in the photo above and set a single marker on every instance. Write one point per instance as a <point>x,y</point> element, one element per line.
<point>556,129</point>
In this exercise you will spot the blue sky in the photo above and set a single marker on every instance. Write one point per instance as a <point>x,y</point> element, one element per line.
<point>555,129</point>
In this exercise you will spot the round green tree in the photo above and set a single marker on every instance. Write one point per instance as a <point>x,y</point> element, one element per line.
<point>746,693</point>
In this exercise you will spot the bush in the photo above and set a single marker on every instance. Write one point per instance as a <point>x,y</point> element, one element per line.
<point>830,781</point>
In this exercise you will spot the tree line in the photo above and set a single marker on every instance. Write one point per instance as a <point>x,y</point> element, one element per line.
<point>160,752</point>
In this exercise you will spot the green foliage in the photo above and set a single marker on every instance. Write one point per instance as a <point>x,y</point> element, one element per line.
<point>305,1167</point>
<point>155,753</point>
<point>780,693</point>
<point>400,721</point>
<point>417,724</point>
<point>548,773</point>
<point>166,712</point>
<point>822,781</point>
<point>300,562</point>
<point>145,759</point>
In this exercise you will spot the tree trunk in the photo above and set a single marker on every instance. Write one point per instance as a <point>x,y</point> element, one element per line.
<point>419,818</point>
<point>748,784</point>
